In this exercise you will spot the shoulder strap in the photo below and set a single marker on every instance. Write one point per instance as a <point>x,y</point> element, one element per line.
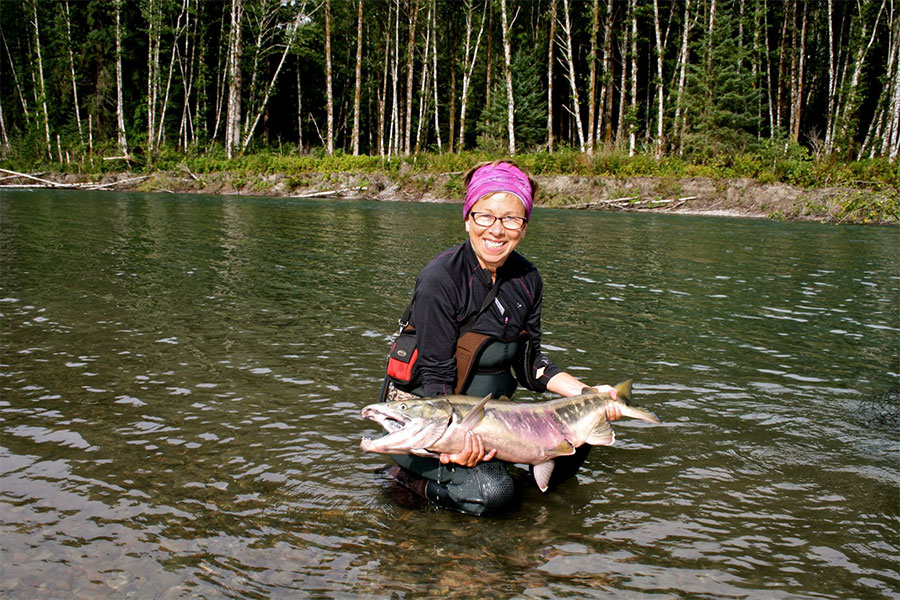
<point>492,293</point>
<point>495,289</point>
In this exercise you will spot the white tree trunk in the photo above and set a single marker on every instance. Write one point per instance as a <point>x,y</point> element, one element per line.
<point>291,34</point>
<point>120,107</point>
<point>434,67</point>
<point>550,63</point>
<point>660,106</point>
<point>507,72</point>
<point>233,116</point>
<point>410,72</point>
<point>573,85</point>
<point>357,88</point>
<point>470,55</point>
<point>682,76</point>
<point>592,86</point>
<point>632,126</point>
<point>851,100</point>
<point>394,132</point>
<point>152,72</point>
<point>329,89</point>
<point>42,90</point>
<point>72,71</point>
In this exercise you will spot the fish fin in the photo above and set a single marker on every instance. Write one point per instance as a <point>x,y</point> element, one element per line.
<point>425,453</point>
<point>475,415</point>
<point>640,413</point>
<point>565,448</point>
<point>542,473</point>
<point>623,391</point>
<point>602,435</point>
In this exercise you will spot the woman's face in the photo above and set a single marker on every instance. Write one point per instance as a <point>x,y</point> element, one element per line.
<point>494,244</point>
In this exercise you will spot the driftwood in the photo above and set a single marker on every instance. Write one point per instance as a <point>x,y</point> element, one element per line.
<point>328,193</point>
<point>46,183</point>
<point>633,203</point>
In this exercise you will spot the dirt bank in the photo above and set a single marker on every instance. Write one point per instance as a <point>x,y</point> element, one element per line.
<point>695,195</point>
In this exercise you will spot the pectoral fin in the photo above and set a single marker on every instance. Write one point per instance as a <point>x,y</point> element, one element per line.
<point>602,435</point>
<point>475,415</point>
<point>543,471</point>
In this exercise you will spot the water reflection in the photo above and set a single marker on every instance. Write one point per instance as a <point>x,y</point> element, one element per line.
<point>181,381</point>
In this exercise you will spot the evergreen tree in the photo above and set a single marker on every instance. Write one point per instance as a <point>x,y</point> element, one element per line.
<point>530,113</point>
<point>721,100</point>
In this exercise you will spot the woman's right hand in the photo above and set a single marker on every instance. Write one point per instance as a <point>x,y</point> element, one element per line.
<point>471,454</point>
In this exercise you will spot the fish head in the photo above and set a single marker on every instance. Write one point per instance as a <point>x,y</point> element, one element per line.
<point>412,425</point>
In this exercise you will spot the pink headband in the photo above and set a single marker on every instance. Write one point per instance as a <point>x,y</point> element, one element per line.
<point>503,177</point>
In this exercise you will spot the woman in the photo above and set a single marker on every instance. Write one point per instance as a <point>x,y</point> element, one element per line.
<point>449,291</point>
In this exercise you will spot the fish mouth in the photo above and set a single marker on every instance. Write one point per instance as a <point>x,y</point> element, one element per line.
<point>389,422</point>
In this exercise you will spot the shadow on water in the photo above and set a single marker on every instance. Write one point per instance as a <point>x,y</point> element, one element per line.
<point>182,378</point>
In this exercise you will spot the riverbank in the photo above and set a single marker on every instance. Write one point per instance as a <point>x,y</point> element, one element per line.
<point>735,197</point>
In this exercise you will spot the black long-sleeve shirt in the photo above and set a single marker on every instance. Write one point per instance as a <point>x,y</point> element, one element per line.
<point>450,289</point>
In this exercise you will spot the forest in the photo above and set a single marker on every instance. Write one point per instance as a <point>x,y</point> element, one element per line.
<point>708,81</point>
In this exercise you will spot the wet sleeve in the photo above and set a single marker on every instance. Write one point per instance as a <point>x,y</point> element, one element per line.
<point>533,359</point>
<point>434,316</point>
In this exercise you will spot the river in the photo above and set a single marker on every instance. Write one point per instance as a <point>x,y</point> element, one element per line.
<point>182,378</point>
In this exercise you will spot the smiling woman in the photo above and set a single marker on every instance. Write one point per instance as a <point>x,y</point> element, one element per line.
<point>455,289</point>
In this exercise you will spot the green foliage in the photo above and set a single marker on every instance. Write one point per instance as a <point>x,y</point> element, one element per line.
<point>530,116</point>
<point>720,97</point>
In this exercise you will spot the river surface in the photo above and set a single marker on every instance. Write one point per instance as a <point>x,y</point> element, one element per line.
<point>182,378</point>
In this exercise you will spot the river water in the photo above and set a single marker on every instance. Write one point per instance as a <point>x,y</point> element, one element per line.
<point>182,378</point>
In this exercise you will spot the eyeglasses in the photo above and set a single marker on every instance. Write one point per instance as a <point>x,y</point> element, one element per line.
<point>509,222</point>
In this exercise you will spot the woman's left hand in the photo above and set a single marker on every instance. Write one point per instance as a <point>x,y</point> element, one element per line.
<point>613,412</point>
<point>471,454</point>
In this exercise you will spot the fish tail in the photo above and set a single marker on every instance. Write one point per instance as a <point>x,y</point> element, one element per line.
<point>640,413</point>
<point>623,391</point>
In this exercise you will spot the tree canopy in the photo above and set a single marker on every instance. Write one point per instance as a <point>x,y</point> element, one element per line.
<point>694,78</point>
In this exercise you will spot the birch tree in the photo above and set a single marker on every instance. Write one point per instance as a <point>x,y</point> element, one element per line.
<point>68,20</point>
<point>233,116</point>
<point>632,124</point>
<point>410,68</point>
<point>851,100</point>
<point>329,76</point>
<point>470,55</point>
<point>573,82</point>
<point>41,88</point>
<point>660,55</point>
<point>121,139</point>
<point>592,68</point>
<point>679,123</point>
<point>357,86</point>
<point>507,73</point>
<point>550,63</point>
<point>434,66</point>
<point>290,33</point>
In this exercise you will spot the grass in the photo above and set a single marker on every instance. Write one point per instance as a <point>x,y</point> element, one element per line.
<point>792,165</point>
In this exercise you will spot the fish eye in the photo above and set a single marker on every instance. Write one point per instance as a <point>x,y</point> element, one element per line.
<point>402,406</point>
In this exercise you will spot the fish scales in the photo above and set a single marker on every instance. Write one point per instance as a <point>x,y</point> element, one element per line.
<point>532,433</point>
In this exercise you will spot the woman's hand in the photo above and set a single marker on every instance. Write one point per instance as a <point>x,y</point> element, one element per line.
<point>613,412</point>
<point>471,454</point>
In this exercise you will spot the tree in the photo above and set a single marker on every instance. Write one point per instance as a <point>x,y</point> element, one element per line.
<point>721,95</point>
<point>529,113</point>
<point>120,105</point>
<point>507,77</point>
<point>470,55</point>
<point>566,27</point>
<point>235,49</point>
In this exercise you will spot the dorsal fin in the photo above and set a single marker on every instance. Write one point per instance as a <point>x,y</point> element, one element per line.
<point>475,415</point>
